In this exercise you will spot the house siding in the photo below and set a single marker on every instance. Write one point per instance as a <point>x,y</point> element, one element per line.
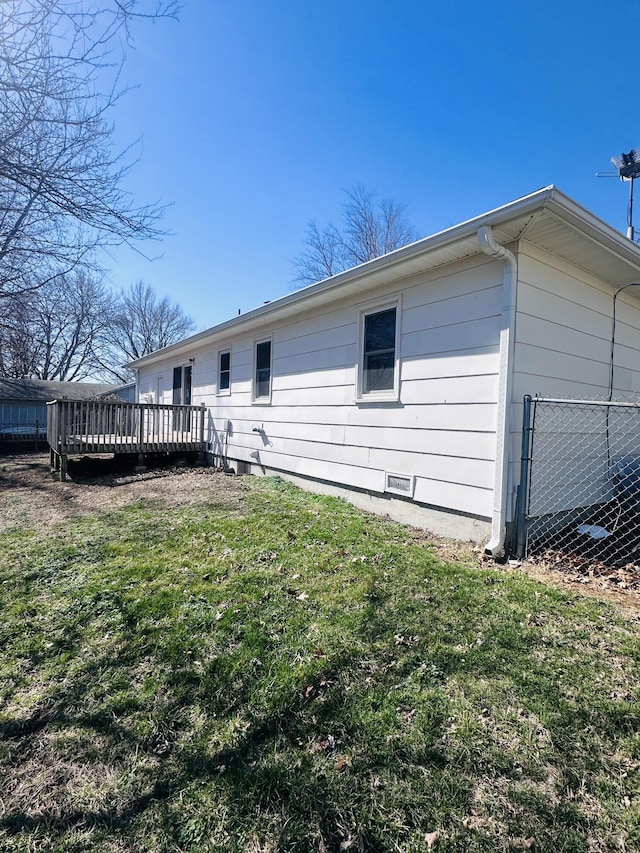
<point>22,414</point>
<point>563,331</point>
<point>563,350</point>
<point>442,429</point>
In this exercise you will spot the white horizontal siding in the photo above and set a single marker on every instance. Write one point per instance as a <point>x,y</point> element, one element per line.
<point>466,417</point>
<point>442,430</point>
<point>454,389</point>
<point>423,463</point>
<point>340,337</point>
<point>445,469</point>
<point>321,469</point>
<point>479,335</point>
<point>449,365</point>
<point>460,443</point>
<point>563,331</point>
<point>456,309</point>
<point>547,363</point>
<point>332,395</point>
<point>563,349</point>
<point>299,380</point>
<point>332,357</point>
<point>472,276</point>
<point>454,496</point>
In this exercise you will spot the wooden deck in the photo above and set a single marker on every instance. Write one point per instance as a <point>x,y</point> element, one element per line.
<point>85,427</point>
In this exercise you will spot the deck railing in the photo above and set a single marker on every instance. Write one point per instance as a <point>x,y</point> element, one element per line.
<point>103,427</point>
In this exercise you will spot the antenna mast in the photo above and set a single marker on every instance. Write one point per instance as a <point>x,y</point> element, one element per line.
<point>628,166</point>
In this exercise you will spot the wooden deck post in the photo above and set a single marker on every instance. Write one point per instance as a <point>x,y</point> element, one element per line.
<point>140,467</point>
<point>203,412</point>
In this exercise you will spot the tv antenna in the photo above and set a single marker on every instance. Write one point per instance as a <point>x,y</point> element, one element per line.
<point>628,169</point>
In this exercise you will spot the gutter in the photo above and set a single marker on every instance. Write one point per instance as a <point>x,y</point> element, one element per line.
<point>489,245</point>
<point>548,198</point>
<point>378,266</point>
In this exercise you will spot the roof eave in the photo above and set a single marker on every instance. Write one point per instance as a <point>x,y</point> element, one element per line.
<point>548,198</point>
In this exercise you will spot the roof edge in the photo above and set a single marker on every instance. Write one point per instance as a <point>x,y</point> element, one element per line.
<point>549,197</point>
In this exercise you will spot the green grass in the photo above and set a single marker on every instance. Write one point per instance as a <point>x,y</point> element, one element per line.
<point>285,673</point>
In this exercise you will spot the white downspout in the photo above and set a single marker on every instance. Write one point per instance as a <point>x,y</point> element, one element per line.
<point>489,245</point>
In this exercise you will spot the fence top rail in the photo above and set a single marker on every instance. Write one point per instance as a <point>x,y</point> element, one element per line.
<point>586,402</point>
<point>125,405</point>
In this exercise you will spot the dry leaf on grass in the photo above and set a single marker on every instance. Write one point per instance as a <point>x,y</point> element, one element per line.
<point>431,839</point>
<point>342,763</point>
<point>475,822</point>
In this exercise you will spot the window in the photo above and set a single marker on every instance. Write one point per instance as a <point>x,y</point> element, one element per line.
<point>378,368</point>
<point>224,371</point>
<point>262,379</point>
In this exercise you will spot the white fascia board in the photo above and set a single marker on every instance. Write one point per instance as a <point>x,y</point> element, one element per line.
<point>375,272</point>
<point>324,290</point>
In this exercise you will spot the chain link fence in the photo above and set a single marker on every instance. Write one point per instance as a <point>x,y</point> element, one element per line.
<point>580,482</point>
<point>16,436</point>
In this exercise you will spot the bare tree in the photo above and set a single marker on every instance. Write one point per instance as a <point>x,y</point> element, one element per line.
<point>15,340</point>
<point>369,229</point>
<point>57,330</point>
<point>73,328</point>
<point>141,323</point>
<point>62,194</point>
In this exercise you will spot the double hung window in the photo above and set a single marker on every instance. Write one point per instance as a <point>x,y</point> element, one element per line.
<point>224,372</point>
<point>262,375</point>
<point>378,368</point>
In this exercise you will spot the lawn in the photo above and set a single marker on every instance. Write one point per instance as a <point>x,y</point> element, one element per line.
<point>273,671</point>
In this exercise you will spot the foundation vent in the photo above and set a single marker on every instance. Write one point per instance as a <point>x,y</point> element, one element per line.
<point>399,484</point>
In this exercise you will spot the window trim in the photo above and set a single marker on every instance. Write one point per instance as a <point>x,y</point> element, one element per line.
<point>223,392</point>
<point>387,395</point>
<point>265,399</point>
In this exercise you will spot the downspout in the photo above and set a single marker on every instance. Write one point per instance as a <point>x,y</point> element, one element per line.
<point>489,245</point>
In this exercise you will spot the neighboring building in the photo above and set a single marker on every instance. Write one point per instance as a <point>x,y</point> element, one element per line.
<point>128,393</point>
<point>399,383</point>
<point>23,405</point>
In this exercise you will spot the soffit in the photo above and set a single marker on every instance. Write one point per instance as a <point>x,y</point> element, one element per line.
<point>614,259</point>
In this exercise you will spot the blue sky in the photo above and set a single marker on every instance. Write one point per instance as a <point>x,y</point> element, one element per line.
<point>253,117</point>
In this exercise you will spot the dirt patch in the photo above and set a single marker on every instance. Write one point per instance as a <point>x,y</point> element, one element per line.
<point>30,497</point>
<point>617,586</point>
<point>611,587</point>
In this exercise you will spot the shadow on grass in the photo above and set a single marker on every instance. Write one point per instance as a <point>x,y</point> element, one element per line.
<point>275,767</point>
<point>308,760</point>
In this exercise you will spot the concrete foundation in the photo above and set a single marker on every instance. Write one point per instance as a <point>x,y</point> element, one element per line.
<point>436,520</point>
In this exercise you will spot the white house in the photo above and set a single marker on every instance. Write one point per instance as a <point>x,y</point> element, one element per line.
<point>399,383</point>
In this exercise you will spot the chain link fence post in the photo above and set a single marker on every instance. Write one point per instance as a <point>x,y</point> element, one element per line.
<point>523,489</point>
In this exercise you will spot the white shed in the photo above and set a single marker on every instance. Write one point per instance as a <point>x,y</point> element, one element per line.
<point>399,383</point>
